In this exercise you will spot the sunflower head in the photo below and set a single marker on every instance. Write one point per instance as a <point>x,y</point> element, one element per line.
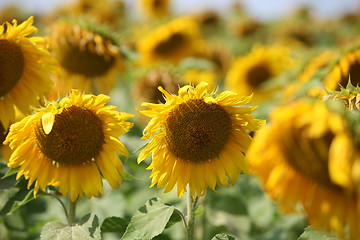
<point>251,72</point>
<point>88,55</point>
<point>347,66</point>
<point>146,89</point>
<point>171,42</point>
<point>24,62</point>
<point>70,144</point>
<point>308,155</point>
<point>198,140</point>
<point>155,8</point>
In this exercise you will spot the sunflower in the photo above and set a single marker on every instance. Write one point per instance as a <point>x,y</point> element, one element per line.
<point>145,88</point>
<point>197,140</point>
<point>171,42</point>
<point>89,57</point>
<point>347,67</point>
<point>314,69</point>
<point>70,145</point>
<point>25,65</point>
<point>248,74</point>
<point>308,155</point>
<point>194,76</point>
<point>155,8</point>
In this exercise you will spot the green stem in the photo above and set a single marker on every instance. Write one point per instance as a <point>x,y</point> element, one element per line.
<point>72,211</point>
<point>190,223</point>
<point>61,202</point>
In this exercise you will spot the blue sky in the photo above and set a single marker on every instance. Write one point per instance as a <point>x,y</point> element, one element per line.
<point>262,9</point>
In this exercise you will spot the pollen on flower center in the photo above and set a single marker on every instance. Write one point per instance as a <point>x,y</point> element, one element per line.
<point>257,75</point>
<point>76,138</point>
<point>84,61</point>
<point>11,66</point>
<point>174,42</point>
<point>197,131</point>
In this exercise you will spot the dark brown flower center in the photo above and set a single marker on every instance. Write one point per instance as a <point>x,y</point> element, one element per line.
<point>76,138</point>
<point>170,45</point>
<point>84,61</point>
<point>257,75</point>
<point>309,155</point>
<point>353,73</point>
<point>197,131</point>
<point>11,66</point>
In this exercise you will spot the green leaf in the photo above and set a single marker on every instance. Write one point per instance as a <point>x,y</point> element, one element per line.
<point>175,218</point>
<point>22,197</point>
<point>60,231</point>
<point>223,236</point>
<point>199,211</point>
<point>312,234</point>
<point>8,183</point>
<point>17,204</point>
<point>114,224</point>
<point>10,172</point>
<point>94,226</point>
<point>149,221</point>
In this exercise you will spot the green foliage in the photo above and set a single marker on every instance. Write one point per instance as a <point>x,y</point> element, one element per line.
<point>312,234</point>
<point>59,231</point>
<point>149,221</point>
<point>223,236</point>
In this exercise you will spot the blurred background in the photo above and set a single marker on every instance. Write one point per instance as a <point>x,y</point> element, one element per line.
<point>262,10</point>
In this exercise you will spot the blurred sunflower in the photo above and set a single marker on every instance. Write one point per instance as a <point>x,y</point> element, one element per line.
<point>171,42</point>
<point>308,155</point>
<point>108,12</point>
<point>250,73</point>
<point>146,88</point>
<point>88,55</point>
<point>25,65</point>
<point>198,140</point>
<point>310,72</point>
<point>347,67</point>
<point>194,76</point>
<point>70,145</point>
<point>155,8</point>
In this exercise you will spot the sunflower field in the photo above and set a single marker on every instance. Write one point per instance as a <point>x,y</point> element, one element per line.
<point>139,122</point>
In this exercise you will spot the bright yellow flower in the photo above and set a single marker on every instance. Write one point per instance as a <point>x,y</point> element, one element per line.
<point>70,145</point>
<point>170,42</point>
<point>250,73</point>
<point>198,140</point>
<point>307,159</point>
<point>25,65</point>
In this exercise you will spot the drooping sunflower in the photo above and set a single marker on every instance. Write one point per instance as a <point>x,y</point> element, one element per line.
<point>198,140</point>
<point>171,42</point>
<point>347,67</point>
<point>70,145</point>
<point>308,159</point>
<point>155,8</point>
<point>89,57</point>
<point>25,65</point>
<point>248,74</point>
